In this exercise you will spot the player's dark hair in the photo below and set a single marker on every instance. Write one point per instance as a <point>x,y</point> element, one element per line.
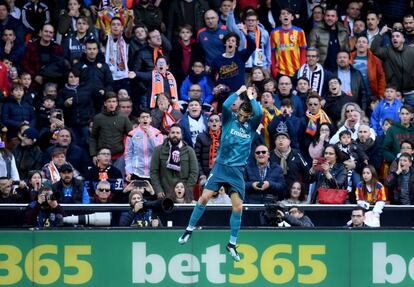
<point>246,107</point>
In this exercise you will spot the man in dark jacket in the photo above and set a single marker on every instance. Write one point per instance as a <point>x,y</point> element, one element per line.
<point>28,156</point>
<point>7,21</point>
<point>173,161</point>
<point>264,181</point>
<point>148,14</point>
<point>70,189</point>
<point>400,183</point>
<point>296,217</point>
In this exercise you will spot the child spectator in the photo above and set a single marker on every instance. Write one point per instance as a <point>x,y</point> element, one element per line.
<point>400,183</point>
<point>197,76</point>
<point>29,93</point>
<point>370,190</point>
<point>44,112</point>
<point>180,194</point>
<point>388,108</point>
<point>15,111</point>
<point>68,17</point>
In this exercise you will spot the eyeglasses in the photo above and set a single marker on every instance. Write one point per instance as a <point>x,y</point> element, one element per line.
<point>261,152</point>
<point>104,190</point>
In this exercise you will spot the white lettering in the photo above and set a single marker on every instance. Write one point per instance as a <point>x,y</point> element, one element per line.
<point>240,134</point>
<point>381,260</point>
<point>213,258</point>
<point>176,268</point>
<point>140,261</point>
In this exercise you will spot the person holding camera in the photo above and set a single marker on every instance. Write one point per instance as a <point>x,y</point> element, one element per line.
<point>264,181</point>
<point>138,216</point>
<point>295,217</point>
<point>45,211</point>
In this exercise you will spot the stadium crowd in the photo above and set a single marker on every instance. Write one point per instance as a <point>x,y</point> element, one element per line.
<point>111,101</point>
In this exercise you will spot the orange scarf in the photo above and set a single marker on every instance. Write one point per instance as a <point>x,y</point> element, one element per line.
<point>167,119</point>
<point>266,119</point>
<point>158,87</point>
<point>215,143</point>
<point>313,121</point>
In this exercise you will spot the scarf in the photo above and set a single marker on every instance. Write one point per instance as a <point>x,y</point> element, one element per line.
<point>266,119</point>
<point>168,119</point>
<point>71,87</point>
<point>215,143</point>
<point>54,172</point>
<point>173,161</point>
<point>156,53</point>
<point>116,57</point>
<point>316,78</point>
<point>283,159</point>
<point>158,87</point>
<point>313,121</point>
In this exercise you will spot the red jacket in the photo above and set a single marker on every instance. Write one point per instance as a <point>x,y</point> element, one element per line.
<point>376,75</point>
<point>4,82</point>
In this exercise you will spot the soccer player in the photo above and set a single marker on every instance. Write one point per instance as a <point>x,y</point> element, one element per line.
<point>288,45</point>
<point>237,135</point>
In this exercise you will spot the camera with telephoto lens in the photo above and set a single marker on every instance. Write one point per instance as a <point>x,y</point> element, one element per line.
<point>160,205</point>
<point>94,219</point>
<point>271,213</point>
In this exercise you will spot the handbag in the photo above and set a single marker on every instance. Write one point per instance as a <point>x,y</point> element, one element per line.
<point>332,195</point>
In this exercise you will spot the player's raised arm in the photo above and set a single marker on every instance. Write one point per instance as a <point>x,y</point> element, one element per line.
<point>257,110</point>
<point>226,112</point>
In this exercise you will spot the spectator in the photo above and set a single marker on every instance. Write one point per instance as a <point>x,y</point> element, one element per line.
<point>198,77</point>
<point>76,102</point>
<point>408,23</point>
<point>27,154</point>
<point>388,108</point>
<point>186,52</point>
<point>229,68</point>
<point>371,191</point>
<point>146,13</point>
<point>186,13</point>
<point>45,211</point>
<point>68,23</point>
<point>7,21</point>
<point>370,67</point>
<point>180,194</point>
<point>332,174</point>
<point>261,56</point>
<point>165,113</point>
<point>264,182</point>
<point>406,146</point>
<point>14,10</point>
<point>7,195</point>
<point>94,71</point>
<point>140,145</point>
<point>353,13</point>
<point>193,122</point>
<point>372,148</point>
<point>358,218</point>
<point>400,182</point>
<point>68,188</point>
<point>173,160</point>
<point>317,75</point>
<point>35,14</point>
<point>109,129</point>
<point>336,99</point>
<point>210,37</point>
<point>137,216</point>
<point>221,197</point>
<point>399,132</point>
<point>329,38</point>
<point>373,21</point>
<point>138,41</point>
<point>289,45</point>
<point>44,112</point>
<point>163,81</point>
<point>15,112</point>
<point>30,190</point>
<point>104,170</point>
<point>320,140</point>
<point>144,62</point>
<point>51,168</point>
<point>74,154</point>
<point>398,67</point>
<point>299,8</point>
<point>258,76</point>
<point>285,91</point>
<point>74,43</point>
<point>296,217</point>
<point>290,160</point>
<point>351,79</point>
<point>297,194</point>
<point>10,48</point>
<point>43,58</point>
<point>206,147</point>
<point>103,192</point>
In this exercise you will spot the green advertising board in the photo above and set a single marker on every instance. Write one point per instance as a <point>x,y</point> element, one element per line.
<point>154,258</point>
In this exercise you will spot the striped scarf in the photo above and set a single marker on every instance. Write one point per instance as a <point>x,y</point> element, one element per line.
<point>313,121</point>
<point>266,119</point>
<point>158,86</point>
<point>215,143</point>
<point>167,119</point>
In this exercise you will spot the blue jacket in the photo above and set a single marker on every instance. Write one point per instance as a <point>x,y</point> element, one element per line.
<point>211,42</point>
<point>385,111</point>
<point>274,176</point>
<point>185,126</point>
<point>206,94</point>
<point>13,114</point>
<point>263,49</point>
<point>298,109</point>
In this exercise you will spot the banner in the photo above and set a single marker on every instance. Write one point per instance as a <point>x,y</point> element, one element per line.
<point>154,257</point>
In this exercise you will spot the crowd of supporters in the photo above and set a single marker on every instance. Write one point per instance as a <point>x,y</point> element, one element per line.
<point>96,94</point>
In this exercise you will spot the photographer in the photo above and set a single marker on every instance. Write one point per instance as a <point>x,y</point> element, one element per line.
<point>138,216</point>
<point>45,211</point>
<point>295,217</point>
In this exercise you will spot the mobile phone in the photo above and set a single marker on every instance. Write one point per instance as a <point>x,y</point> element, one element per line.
<point>318,166</point>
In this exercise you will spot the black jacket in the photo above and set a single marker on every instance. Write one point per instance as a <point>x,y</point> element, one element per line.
<point>77,191</point>
<point>202,150</point>
<point>393,183</point>
<point>27,158</point>
<point>359,93</point>
<point>334,104</point>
